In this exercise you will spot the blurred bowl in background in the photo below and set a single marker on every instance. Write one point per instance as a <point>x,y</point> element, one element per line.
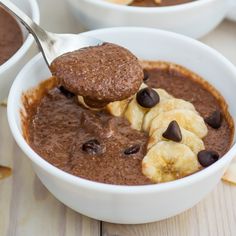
<point>12,66</point>
<point>194,19</point>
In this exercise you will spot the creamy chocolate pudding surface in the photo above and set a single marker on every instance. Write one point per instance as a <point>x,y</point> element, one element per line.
<point>89,144</point>
<point>11,37</point>
<point>152,3</point>
<point>98,146</point>
<point>102,73</point>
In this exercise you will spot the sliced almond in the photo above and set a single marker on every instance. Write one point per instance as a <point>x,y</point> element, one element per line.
<point>5,172</point>
<point>122,2</point>
<point>3,103</point>
<point>230,174</point>
<point>158,1</point>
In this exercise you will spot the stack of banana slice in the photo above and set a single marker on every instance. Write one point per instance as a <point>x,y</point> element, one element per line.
<point>166,159</point>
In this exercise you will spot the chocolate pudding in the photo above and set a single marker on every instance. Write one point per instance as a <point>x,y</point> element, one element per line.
<point>163,3</point>
<point>100,147</point>
<point>101,74</point>
<point>11,37</point>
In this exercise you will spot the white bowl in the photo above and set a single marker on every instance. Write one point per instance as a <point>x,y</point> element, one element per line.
<point>12,66</point>
<point>132,204</point>
<point>194,19</point>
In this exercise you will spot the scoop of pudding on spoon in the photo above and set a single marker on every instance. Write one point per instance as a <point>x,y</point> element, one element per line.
<point>100,72</point>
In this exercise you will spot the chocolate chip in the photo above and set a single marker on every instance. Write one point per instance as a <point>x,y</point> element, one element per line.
<point>92,147</point>
<point>214,120</point>
<point>132,150</point>
<point>65,92</point>
<point>207,158</point>
<point>147,98</point>
<point>145,75</point>
<point>173,132</point>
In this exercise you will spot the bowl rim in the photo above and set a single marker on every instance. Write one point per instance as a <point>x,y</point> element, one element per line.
<point>135,9</point>
<point>27,42</point>
<point>64,176</point>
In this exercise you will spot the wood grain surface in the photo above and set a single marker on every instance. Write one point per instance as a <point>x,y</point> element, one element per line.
<point>28,209</point>
<point>216,214</point>
<point>26,206</point>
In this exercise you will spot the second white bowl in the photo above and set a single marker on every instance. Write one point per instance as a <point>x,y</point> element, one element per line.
<point>12,66</point>
<point>194,19</point>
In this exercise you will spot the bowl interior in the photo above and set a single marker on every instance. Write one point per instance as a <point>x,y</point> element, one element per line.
<point>148,44</point>
<point>158,9</point>
<point>30,7</point>
<point>27,8</point>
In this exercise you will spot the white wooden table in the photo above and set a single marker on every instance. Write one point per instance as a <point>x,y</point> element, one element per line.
<point>28,209</point>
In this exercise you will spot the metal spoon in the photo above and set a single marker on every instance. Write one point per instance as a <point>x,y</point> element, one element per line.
<point>50,44</point>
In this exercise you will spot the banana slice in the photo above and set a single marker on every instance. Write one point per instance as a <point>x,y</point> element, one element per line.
<point>135,113</point>
<point>187,119</point>
<point>162,94</point>
<point>168,161</point>
<point>122,2</point>
<point>164,106</point>
<point>118,108</point>
<point>114,108</point>
<point>188,138</point>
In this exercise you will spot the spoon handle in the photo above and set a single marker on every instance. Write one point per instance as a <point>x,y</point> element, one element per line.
<point>38,33</point>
